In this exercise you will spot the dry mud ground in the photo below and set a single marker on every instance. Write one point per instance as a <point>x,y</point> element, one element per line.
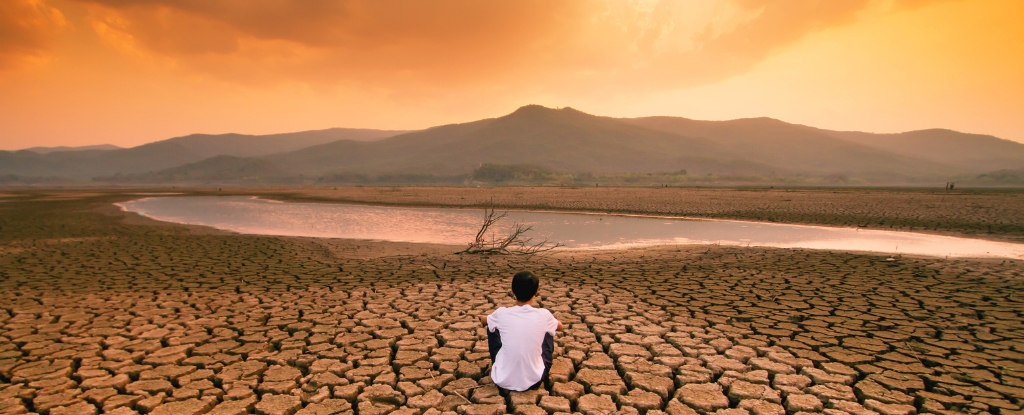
<point>105,312</point>
<point>990,214</point>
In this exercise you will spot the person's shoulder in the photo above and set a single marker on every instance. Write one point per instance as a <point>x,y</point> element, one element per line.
<point>543,311</point>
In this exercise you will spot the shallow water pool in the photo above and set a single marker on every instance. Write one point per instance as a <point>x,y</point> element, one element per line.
<point>575,231</point>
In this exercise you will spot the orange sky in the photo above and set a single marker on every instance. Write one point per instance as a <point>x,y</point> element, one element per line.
<point>78,72</point>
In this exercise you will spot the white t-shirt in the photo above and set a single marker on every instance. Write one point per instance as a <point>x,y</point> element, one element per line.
<point>518,364</point>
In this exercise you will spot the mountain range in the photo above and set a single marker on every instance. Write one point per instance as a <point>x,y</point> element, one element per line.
<point>558,140</point>
<point>85,164</point>
<point>45,150</point>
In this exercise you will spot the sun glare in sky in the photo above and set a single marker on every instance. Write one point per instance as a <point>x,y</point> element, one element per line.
<point>79,72</point>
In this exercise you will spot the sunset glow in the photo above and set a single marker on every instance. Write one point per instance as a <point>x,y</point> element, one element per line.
<point>129,72</point>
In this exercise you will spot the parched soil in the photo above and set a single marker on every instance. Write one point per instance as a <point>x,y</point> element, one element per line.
<point>102,314</point>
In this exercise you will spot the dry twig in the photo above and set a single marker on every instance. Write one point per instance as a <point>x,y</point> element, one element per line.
<point>515,243</point>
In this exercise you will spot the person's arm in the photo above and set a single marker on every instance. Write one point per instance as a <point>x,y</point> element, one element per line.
<point>558,324</point>
<point>487,319</point>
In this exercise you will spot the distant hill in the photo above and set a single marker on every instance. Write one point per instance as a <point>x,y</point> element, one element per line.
<point>571,141</point>
<point>564,145</point>
<point>241,145</point>
<point>218,168</point>
<point>558,139</point>
<point>44,150</point>
<point>937,151</point>
<point>86,164</point>
<point>798,148</point>
<point>974,153</point>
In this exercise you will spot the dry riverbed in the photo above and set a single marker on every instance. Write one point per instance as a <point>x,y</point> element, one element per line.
<point>106,312</point>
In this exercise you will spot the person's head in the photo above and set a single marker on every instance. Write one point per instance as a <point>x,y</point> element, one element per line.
<point>524,286</point>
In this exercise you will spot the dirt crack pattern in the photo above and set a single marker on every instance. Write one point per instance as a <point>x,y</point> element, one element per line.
<point>166,322</point>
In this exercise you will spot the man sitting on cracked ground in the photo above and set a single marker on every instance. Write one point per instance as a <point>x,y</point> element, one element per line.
<point>521,338</point>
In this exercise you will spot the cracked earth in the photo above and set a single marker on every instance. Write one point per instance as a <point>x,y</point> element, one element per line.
<point>133,318</point>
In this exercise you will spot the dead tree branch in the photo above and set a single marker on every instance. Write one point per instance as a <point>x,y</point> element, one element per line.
<point>515,243</point>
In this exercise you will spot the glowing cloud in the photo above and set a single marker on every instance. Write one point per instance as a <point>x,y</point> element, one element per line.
<point>440,44</point>
<point>27,31</point>
<point>181,66</point>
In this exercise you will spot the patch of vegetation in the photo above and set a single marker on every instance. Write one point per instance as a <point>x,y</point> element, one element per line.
<point>1003,177</point>
<point>18,179</point>
<point>506,173</point>
<point>527,174</point>
<point>349,178</point>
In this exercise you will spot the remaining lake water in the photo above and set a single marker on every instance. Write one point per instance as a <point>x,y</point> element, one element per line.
<point>451,226</point>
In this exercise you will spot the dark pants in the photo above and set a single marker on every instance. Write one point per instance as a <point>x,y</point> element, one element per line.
<point>547,347</point>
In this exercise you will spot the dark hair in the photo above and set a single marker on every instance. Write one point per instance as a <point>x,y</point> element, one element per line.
<point>524,285</point>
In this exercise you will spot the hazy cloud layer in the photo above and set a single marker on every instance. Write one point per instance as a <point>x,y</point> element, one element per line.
<point>406,45</point>
<point>27,31</point>
<point>127,72</point>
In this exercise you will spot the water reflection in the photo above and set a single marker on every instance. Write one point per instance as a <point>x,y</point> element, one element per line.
<point>579,231</point>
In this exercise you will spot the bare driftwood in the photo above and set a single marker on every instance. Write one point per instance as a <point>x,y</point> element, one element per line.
<point>515,243</point>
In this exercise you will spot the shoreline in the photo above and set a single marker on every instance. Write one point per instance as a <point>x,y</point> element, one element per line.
<point>277,194</point>
<point>983,215</point>
<point>282,199</point>
<point>606,248</point>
